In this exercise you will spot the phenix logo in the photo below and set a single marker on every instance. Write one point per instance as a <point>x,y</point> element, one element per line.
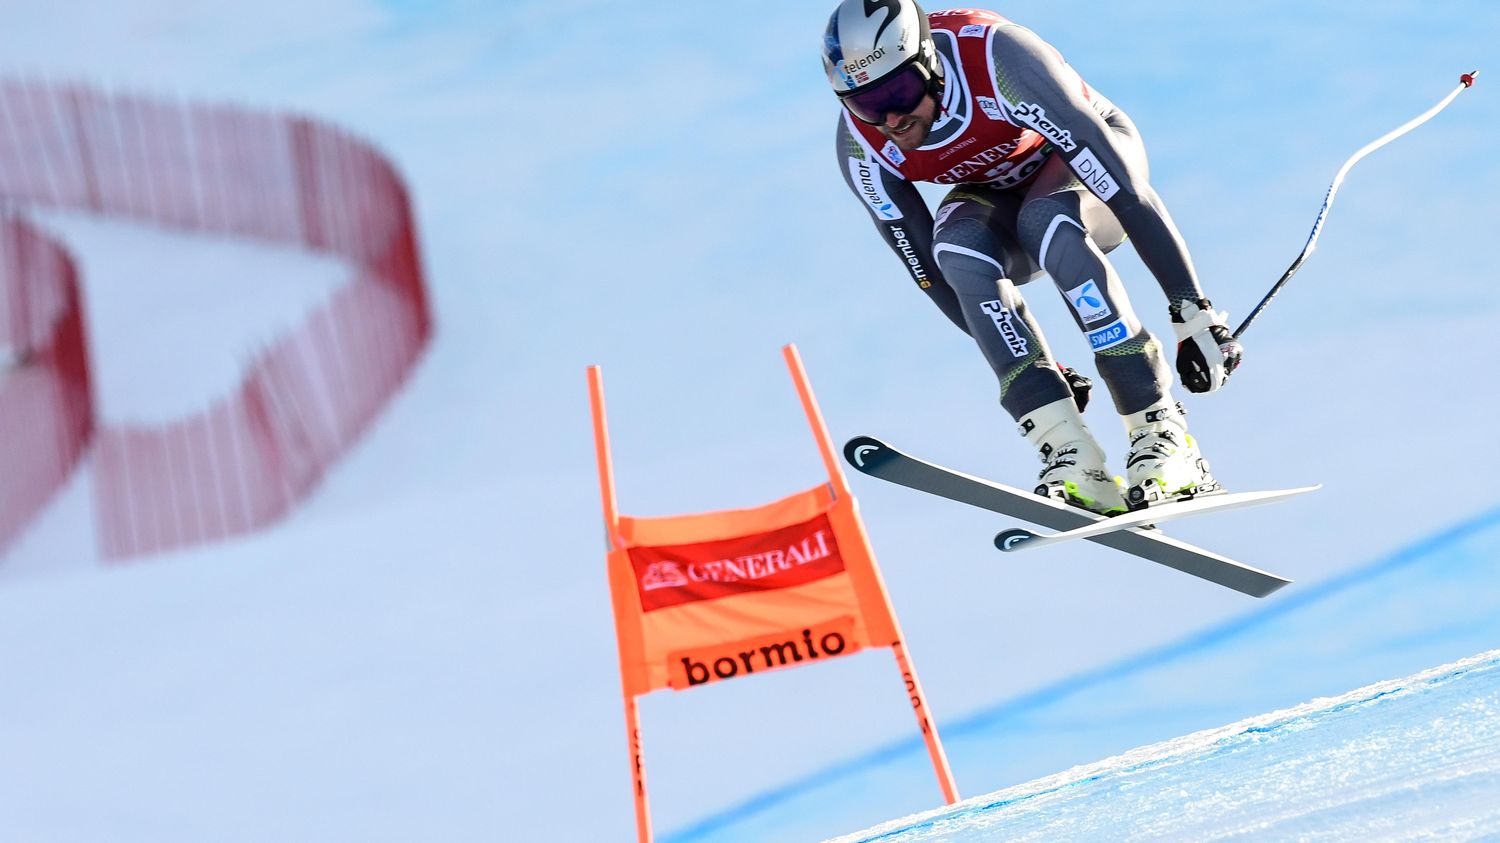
<point>1001,316</point>
<point>1036,117</point>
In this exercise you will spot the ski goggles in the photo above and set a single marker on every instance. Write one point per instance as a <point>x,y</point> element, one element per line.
<point>900,92</point>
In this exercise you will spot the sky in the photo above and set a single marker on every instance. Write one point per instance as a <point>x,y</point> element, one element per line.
<point>654,190</point>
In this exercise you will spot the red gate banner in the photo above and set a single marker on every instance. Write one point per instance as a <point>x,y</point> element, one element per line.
<point>711,583</point>
<point>712,596</point>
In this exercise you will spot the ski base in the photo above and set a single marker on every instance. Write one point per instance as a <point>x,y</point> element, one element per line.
<point>1023,539</point>
<point>877,459</point>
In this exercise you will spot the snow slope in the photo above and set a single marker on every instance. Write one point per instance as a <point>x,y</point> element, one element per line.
<point>1413,758</point>
<point>1420,607</point>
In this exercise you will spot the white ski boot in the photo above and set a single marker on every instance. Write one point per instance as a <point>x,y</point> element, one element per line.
<point>1074,471</point>
<point>1164,463</point>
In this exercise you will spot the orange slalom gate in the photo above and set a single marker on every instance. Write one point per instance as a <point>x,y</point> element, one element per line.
<point>710,596</point>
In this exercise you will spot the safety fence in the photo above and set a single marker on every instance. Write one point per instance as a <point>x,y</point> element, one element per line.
<point>247,458</point>
<point>46,416</point>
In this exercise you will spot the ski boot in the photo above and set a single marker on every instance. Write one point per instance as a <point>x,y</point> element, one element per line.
<point>1164,463</point>
<point>1073,471</point>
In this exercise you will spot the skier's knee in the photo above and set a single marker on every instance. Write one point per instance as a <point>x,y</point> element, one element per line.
<point>967,256</point>
<point>1044,223</point>
<point>966,235</point>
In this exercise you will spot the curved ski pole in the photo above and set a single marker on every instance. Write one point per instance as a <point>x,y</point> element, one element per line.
<point>1465,81</point>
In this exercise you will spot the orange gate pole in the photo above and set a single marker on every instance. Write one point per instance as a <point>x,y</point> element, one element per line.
<point>612,538</point>
<point>840,485</point>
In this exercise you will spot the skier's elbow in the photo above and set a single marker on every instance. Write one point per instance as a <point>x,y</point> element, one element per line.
<point>1136,205</point>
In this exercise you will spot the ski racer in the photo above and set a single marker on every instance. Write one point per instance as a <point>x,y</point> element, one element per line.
<point>1048,176</point>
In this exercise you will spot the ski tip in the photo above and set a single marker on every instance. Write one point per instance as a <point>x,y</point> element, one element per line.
<point>1013,539</point>
<point>863,450</point>
<point>1269,588</point>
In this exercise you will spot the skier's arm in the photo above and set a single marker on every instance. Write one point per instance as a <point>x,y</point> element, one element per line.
<point>1043,93</point>
<point>900,215</point>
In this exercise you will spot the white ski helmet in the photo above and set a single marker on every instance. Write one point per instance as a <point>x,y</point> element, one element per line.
<point>879,57</point>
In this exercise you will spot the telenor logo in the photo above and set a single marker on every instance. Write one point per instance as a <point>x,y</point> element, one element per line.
<point>1085,298</point>
<point>861,64</point>
<point>863,176</point>
<point>1089,302</point>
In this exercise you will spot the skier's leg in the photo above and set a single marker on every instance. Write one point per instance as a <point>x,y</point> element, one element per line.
<point>1068,230</point>
<point>977,251</point>
<point>979,258</point>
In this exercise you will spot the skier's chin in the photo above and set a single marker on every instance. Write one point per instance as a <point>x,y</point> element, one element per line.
<point>913,137</point>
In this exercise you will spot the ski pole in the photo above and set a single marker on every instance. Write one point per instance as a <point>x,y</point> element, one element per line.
<point>1464,81</point>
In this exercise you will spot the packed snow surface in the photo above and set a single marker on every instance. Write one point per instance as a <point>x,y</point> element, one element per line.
<point>1404,759</point>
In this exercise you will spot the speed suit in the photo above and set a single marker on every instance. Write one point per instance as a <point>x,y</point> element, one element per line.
<point>1048,176</point>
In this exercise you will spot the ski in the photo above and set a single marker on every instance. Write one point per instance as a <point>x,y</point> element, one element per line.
<point>877,459</point>
<point>1023,539</point>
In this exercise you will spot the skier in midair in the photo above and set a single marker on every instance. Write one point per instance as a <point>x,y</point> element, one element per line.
<point>1049,176</point>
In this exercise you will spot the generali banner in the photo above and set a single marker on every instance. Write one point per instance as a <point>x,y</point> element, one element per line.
<point>712,596</point>
<point>793,555</point>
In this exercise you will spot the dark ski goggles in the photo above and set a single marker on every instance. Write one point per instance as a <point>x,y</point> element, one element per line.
<point>900,92</point>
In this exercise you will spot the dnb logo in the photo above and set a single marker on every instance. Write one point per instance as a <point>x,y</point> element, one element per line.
<point>1091,170</point>
<point>1089,302</point>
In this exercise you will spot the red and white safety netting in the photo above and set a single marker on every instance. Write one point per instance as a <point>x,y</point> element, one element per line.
<point>247,459</point>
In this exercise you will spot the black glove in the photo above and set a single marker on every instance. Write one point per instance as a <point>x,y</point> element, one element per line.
<point>1078,384</point>
<point>1206,352</point>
